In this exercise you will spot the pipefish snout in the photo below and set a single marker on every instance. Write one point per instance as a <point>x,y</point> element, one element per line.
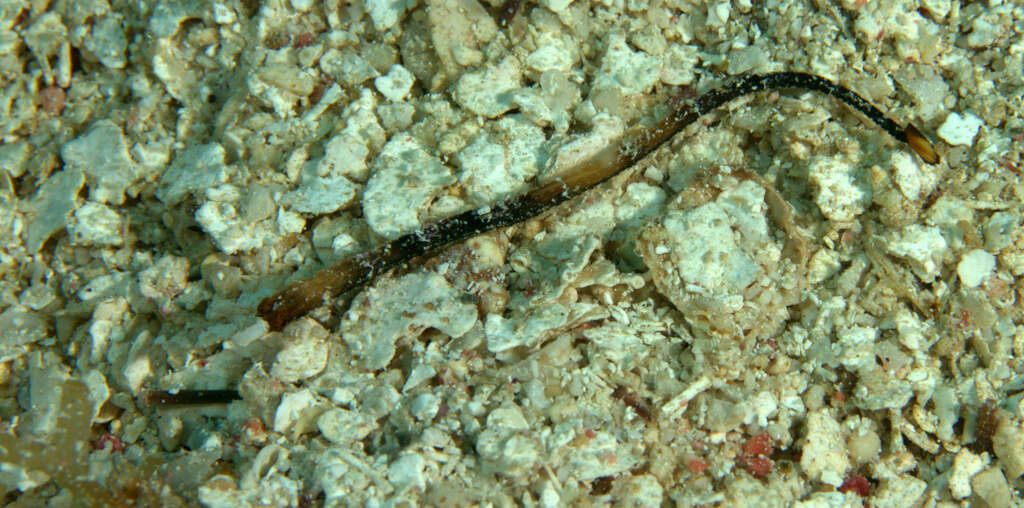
<point>303,296</point>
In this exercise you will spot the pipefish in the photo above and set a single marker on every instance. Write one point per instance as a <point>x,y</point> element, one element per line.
<point>639,141</point>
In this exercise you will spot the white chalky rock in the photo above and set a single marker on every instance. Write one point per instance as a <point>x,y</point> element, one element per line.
<point>983,32</point>
<point>14,157</point>
<point>556,5</point>
<point>395,85</point>
<point>643,491</point>
<point>96,224</point>
<point>898,491</point>
<point>280,86</point>
<point>867,26</point>
<point>911,330</point>
<point>938,8</point>
<point>321,196</point>
<point>165,279</point>
<point>1000,230</point>
<point>56,199</point>
<point>841,197</point>
<point>991,486</point>
<point>404,307</point>
<point>504,334</point>
<point>589,459</point>
<point>552,54</point>
<point>679,62</point>
<point>606,130</point>
<point>344,155</point>
<point>108,42</point>
<point>632,72</point>
<point>224,217</point>
<point>195,170</point>
<point>20,327</point>
<point>718,14</point>
<point>975,267</point>
<point>505,443</point>
<point>406,180</point>
<point>385,13</point>
<point>297,413</point>
<point>824,456</point>
<point>523,143</point>
<point>348,69</point>
<point>1008,443</point>
<point>264,482</point>
<point>425,406</point>
<point>857,346</point>
<point>167,17</point>
<point>304,356</point>
<point>708,260</point>
<point>488,92</point>
<point>960,130</point>
<point>406,472</point>
<point>343,426</point>
<point>877,389</point>
<point>47,37</point>
<point>223,15</point>
<point>922,246</point>
<point>420,373</point>
<point>965,465</point>
<point>136,371</point>
<point>484,173</point>
<point>102,154</point>
<point>913,179</point>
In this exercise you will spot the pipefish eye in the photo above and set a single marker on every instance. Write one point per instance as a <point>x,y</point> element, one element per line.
<point>634,145</point>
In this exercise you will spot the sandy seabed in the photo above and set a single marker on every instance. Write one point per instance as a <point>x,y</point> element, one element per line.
<point>781,307</point>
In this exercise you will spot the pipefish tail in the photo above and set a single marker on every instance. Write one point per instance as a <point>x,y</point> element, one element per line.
<point>303,296</point>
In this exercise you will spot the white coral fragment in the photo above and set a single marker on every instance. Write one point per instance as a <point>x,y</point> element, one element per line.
<point>404,307</point>
<point>96,224</point>
<point>321,195</point>
<point>631,72</point>
<point>56,199</point>
<point>304,356</point>
<point>102,153</point>
<point>840,196</point>
<point>824,456</point>
<point>385,13</point>
<point>395,85</point>
<point>486,92</point>
<point>297,413</point>
<point>922,246</point>
<point>709,260</point>
<point>965,465</point>
<point>406,180</point>
<point>960,129</point>
<point>197,168</point>
<point>343,426</point>
<point>975,267</point>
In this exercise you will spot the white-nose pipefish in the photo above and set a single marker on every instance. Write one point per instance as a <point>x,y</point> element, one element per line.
<point>639,141</point>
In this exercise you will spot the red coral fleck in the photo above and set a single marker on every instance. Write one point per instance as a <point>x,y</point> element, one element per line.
<point>965,318</point>
<point>115,442</point>
<point>759,445</point>
<point>838,398</point>
<point>697,466</point>
<point>759,467</point>
<point>303,40</point>
<point>52,99</point>
<point>856,483</point>
<point>590,434</point>
<point>253,430</point>
<point>754,456</point>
